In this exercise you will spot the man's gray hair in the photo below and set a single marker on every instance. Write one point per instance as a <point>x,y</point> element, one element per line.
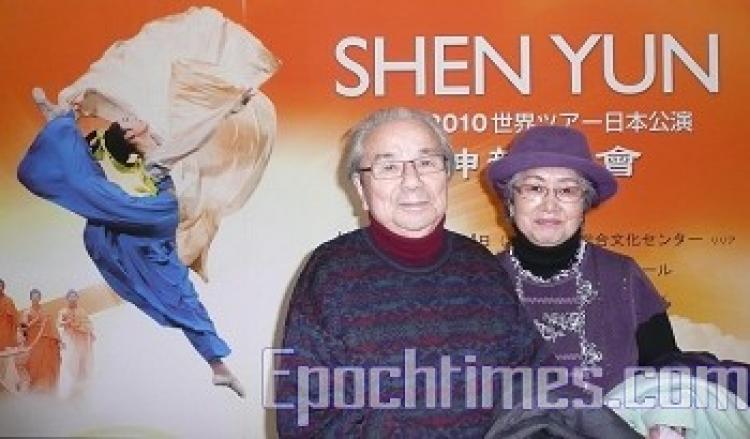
<point>354,138</point>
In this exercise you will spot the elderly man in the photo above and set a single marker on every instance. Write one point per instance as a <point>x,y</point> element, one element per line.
<point>389,326</point>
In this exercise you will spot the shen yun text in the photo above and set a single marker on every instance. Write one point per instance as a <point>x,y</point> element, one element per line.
<point>486,63</point>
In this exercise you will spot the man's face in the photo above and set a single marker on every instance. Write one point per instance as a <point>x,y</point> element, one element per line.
<point>410,206</point>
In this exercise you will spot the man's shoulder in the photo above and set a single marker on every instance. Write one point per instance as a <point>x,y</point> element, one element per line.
<point>463,243</point>
<point>485,266</point>
<point>475,254</point>
<point>344,244</point>
<point>342,240</point>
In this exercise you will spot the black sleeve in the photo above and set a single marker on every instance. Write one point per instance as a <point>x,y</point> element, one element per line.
<point>655,338</point>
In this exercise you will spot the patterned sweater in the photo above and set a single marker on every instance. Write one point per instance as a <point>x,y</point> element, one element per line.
<point>601,333</point>
<point>363,319</point>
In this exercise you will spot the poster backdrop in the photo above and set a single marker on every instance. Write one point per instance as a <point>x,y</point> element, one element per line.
<point>659,89</point>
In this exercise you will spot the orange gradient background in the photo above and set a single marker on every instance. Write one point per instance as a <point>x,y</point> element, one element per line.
<point>684,183</point>
<point>690,183</point>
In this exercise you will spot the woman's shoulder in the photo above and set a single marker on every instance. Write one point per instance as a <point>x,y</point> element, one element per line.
<point>612,261</point>
<point>606,254</point>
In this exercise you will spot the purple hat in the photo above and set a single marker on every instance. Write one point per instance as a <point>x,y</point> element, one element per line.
<point>552,146</point>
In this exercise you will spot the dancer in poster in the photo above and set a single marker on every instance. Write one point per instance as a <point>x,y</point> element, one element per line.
<point>43,341</point>
<point>131,239</point>
<point>181,138</point>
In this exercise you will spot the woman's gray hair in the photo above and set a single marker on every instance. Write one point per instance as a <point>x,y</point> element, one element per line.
<point>508,193</point>
<point>71,292</point>
<point>355,137</point>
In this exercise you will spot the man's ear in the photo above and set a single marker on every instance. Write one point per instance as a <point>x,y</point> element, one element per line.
<point>357,181</point>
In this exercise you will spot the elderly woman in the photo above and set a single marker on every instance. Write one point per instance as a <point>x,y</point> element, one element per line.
<point>597,309</point>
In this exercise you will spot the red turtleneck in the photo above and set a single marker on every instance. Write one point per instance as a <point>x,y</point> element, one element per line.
<point>414,252</point>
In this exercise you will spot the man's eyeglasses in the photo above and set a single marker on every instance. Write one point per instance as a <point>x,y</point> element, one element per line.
<point>392,169</point>
<point>537,192</point>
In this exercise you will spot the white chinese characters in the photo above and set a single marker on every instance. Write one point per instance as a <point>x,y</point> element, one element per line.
<point>619,160</point>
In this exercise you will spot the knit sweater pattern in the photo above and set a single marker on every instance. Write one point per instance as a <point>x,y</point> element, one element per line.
<point>354,307</point>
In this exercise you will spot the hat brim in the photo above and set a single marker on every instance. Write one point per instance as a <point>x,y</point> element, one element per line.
<point>501,171</point>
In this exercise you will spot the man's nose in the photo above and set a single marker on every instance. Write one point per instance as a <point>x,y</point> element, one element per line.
<point>410,177</point>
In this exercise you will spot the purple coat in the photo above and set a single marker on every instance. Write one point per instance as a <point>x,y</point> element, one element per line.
<point>624,299</point>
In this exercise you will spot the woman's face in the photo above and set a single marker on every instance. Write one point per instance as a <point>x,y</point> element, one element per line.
<point>36,298</point>
<point>538,212</point>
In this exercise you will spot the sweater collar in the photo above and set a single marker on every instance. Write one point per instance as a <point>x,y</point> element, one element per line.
<point>545,261</point>
<point>412,252</point>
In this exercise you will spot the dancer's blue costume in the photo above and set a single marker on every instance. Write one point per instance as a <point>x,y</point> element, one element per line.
<point>132,240</point>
